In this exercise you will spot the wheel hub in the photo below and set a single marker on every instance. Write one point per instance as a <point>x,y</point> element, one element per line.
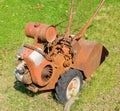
<point>73,87</point>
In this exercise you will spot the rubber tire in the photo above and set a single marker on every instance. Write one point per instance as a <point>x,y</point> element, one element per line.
<point>63,82</point>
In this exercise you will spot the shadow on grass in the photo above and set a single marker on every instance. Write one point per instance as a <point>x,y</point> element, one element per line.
<point>20,87</point>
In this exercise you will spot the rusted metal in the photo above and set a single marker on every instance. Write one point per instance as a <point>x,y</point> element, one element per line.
<point>46,73</point>
<point>83,13</point>
<point>50,56</point>
<point>70,21</point>
<point>34,48</point>
<point>27,77</point>
<point>81,32</point>
<point>88,56</point>
<point>41,32</point>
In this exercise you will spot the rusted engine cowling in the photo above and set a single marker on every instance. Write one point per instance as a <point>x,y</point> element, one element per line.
<point>43,32</point>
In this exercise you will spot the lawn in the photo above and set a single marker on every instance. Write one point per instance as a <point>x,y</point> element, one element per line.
<point>102,93</point>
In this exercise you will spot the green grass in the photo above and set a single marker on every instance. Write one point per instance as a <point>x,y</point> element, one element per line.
<point>99,94</point>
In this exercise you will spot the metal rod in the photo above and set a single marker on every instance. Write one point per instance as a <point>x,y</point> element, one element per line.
<point>81,32</point>
<point>70,21</point>
<point>82,15</point>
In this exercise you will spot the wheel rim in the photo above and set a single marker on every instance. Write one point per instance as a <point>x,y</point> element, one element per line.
<point>73,87</point>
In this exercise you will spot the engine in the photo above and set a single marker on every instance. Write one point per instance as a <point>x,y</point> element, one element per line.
<point>43,62</point>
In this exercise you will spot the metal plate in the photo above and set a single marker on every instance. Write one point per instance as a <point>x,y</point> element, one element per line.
<point>36,57</point>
